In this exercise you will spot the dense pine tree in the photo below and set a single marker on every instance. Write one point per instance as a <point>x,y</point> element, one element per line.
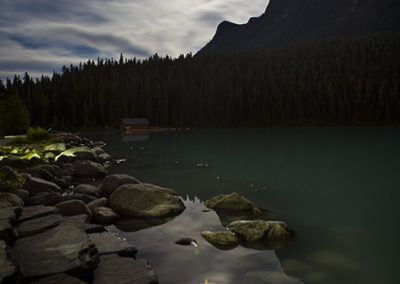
<point>335,81</point>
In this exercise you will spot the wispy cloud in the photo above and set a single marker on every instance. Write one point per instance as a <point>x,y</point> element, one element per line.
<point>42,35</point>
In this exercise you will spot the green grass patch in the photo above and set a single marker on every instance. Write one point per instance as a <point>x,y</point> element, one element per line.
<point>37,134</point>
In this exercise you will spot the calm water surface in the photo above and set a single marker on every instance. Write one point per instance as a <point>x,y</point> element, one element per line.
<point>337,187</point>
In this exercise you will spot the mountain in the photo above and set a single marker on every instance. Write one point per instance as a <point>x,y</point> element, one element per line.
<point>286,21</point>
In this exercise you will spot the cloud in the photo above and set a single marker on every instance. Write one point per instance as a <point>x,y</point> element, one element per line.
<point>64,32</point>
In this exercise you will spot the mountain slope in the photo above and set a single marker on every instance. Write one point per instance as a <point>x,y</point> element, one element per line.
<point>287,21</point>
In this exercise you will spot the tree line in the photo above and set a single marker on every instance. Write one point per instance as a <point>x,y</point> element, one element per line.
<point>335,81</point>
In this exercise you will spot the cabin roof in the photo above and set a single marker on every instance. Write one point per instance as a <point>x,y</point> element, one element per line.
<point>135,121</point>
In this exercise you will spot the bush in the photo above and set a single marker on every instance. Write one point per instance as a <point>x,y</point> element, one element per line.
<point>37,134</point>
<point>19,140</point>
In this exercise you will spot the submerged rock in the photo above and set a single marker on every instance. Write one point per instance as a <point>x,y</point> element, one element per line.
<point>221,240</point>
<point>232,202</point>
<point>146,200</point>
<point>112,182</point>
<point>256,230</point>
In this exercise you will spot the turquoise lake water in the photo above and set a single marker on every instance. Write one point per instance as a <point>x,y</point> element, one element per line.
<point>337,187</point>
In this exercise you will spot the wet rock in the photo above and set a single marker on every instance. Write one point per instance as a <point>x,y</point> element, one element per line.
<point>47,198</point>
<point>232,202</point>
<point>87,189</point>
<point>32,212</point>
<point>39,225</point>
<point>129,271</point>
<point>88,169</point>
<point>62,249</point>
<point>60,279</point>
<point>255,230</point>
<point>7,232</point>
<point>23,194</point>
<point>107,243</point>
<point>84,197</point>
<point>221,240</point>
<point>7,268</point>
<point>146,200</point>
<point>100,202</point>
<point>73,207</point>
<point>104,215</point>
<point>112,182</point>
<point>36,185</point>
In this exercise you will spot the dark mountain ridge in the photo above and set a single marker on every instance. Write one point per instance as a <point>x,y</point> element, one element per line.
<point>286,21</point>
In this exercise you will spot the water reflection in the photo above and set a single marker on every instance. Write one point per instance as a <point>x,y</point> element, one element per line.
<point>188,264</point>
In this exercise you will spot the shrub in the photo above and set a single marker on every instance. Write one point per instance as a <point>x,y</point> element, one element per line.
<point>37,134</point>
<point>19,140</point>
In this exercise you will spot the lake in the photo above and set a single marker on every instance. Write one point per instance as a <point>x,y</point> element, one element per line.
<point>337,187</point>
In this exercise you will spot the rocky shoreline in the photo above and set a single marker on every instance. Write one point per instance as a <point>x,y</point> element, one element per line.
<point>53,226</point>
<point>54,218</point>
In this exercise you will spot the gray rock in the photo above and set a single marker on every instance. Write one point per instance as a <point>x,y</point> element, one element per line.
<point>36,185</point>
<point>87,189</point>
<point>47,198</point>
<point>4,203</point>
<point>129,271</point>
<point>7,268</point>
<point>10,213</point>
<point>23,194</point>
<point>146,200</point>
<point>54,148</point>
<point>98,151</point>
<point>82,221</point>
<point>60,279</point>
<point>73,207</point>
<point>107,243</point>
<point>67,169</point>
<point>104,215</point>
<point>39,225</point>
<point>233,202</point>
<point>84,197</point>
<point>63,249</point>
<point>7,232</point>
<point>221,240</point>
<point>112,182</point>
<point>76,153</point>
<point>100,202</point>
<point>33,212</point>
<point>88,169</point>
<point>15,163</point>
<point>63,182</point>
<point>255,230</point>
<point>14,199</point>
<point>49,155</point>
<point>104,157</point>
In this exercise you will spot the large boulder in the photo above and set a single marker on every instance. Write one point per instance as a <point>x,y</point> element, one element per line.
<point>257,230</point>
<point>73,207</point>
<point>123,270</point>
<point>221,240</point>
<point>112,182</point>
<point>36,185</point>
<point>63,249</point>
<point>232,202</point>
<point>146,200</point>
<point>88,169</point>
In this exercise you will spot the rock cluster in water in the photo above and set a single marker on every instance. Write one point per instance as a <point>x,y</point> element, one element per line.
<point>245,227</point>
<point>52,225</point>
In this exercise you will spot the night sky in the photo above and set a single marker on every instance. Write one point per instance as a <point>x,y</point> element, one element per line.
<point>42,35</point>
